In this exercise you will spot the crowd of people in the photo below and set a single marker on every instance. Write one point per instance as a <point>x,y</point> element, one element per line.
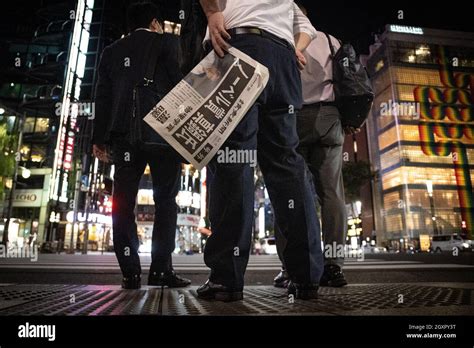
<point>294,126</point>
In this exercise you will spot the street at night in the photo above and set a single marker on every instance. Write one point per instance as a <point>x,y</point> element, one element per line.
<point>430,285</point>
<point>213,172</point>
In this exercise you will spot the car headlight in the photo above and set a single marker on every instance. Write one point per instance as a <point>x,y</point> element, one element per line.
<point>465,245</point>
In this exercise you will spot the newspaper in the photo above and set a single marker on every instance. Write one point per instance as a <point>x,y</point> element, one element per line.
<point>200,113</point>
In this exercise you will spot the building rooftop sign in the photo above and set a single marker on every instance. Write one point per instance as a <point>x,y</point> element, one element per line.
<point>406,30</point>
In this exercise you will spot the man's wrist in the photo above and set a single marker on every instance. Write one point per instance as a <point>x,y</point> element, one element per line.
<point>212,12</point>
<point>210,7</point>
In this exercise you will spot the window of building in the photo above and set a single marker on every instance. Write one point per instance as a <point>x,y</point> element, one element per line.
<point>379,66</point>
<point>29,125</point>
<point>42,125</point>
<point>25,152</point>
<point>392,179</point>
<point>394,223</point>
<point>415,154</point>
<point>390,158</point>
<point>38,153</point>
<point>461,57</point>
<point>391,200</point>
<point>413,53</point>
<point>36,125</point>
<point>381,82</point>
<point>416,76</point>
<point>387,138</point>
<point>439,176</point>
<point>33,182</point>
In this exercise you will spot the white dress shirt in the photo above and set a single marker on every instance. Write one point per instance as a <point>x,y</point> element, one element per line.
<point>282,18</point>
<point>317,75</point>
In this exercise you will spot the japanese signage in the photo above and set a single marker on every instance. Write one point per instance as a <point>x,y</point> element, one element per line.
<point>200,113</point>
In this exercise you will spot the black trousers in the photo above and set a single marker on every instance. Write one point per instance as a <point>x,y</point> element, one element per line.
<point>130,163</point>
<point>270,129</point>
<point>321,141</point>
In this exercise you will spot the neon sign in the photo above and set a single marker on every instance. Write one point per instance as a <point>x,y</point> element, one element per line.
<point>406,30</point>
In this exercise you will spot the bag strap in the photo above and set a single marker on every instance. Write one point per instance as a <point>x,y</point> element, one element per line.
<point>153,61</point>
<point>331,46</point>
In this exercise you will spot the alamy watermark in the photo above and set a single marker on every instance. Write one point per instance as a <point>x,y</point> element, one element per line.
<point>19,252</point>
<point>409,109</point>
<point>231,156</point>
<point>342,251</point>
<point>28,330</point>
<point>82,109</point>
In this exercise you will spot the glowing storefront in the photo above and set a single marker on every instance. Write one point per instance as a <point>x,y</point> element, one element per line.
<point>421,134</point>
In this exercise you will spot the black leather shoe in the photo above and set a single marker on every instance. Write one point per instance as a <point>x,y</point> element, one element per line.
<point>212,291</point>
<point>333,277</point>
<point>281,280</point>
<point>133,282</point>
<point>169,279</point>
<point>303,291</point>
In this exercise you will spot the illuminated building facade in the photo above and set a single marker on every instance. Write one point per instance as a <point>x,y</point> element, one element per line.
<point>421,134</point>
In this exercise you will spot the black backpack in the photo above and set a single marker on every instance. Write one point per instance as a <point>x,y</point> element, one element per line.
<point>352,86</point>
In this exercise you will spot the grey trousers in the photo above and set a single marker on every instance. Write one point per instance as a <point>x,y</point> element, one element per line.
<point>321,140</point>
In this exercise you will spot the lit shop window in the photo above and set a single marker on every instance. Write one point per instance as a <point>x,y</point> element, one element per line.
<point>413,53</point>
<point>405,93</point>
<point>415,154</point>
<point>394,223</point>
<point>409,133</point>
<point>442,198</point>
<point>379,65</point>
<point>404,133</point>
<point>42,125</point>
<point>387,138</point>
<point>449,218</point>
<point>391,200</point>
<point>392,179</point>
<point>390,158</point>
<point>413,221</point>
<point>29,125</point>
<point>418,77</point>
<point>38,153</point>
<point>445,198</point>
<point>25,152</point>
<point>420,175</point>
<point>36,125</point>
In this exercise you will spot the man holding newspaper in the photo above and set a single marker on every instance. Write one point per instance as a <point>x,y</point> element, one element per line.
<point>274,33</point>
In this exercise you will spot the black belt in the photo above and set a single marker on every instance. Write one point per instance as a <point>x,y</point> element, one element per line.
<point>254,31</point>
<point>319,104</point>
<point>262,33</point>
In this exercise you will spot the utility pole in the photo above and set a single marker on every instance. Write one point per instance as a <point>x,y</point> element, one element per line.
<point>77,189</point>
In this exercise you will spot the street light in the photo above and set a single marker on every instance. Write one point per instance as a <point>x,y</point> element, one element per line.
<point>25,172</point>
<point>2,111</point>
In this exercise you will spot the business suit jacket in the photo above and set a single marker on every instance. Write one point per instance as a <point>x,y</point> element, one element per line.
<point>123,65</point>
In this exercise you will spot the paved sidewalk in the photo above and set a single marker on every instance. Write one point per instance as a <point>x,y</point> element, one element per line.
<point>369,299</point>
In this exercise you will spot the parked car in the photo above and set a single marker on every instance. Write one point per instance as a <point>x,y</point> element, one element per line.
<point>449,242</point>
<point>268,246</point>
<point>372,249</point>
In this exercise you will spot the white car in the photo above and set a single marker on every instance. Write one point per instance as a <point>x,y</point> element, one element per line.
<point>269,246</point>
<point>449,243</point>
